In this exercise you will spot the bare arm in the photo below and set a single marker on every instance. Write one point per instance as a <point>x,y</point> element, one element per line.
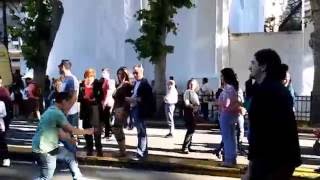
<point>76,131</point>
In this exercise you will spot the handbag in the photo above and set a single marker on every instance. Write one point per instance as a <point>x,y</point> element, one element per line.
<point>316,147</point>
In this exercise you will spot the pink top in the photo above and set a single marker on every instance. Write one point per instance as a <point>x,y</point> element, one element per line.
<point>228,100</point>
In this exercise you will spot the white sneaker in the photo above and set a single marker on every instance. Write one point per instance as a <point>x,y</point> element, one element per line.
<point>6,162</point>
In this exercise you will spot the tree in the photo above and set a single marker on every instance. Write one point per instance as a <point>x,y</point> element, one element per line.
<point>38,28</point>
<point>157,23</point>
<point>315,45</point>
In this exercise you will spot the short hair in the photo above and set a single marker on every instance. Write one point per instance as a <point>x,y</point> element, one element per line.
<point>171,78</point>
<point>64,96</point>
<point>138,66</point>
<point>66,63</point>
<point>89,73</point>
<point>205,80</point>
<point>284,68</point>
<point>272,60</point>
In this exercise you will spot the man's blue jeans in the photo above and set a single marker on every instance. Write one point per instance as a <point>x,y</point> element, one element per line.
<point>142,148</point>
<point>73,119</point>
<point>47,163</point>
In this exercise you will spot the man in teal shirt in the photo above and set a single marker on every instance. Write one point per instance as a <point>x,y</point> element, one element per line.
<point>53,126</point>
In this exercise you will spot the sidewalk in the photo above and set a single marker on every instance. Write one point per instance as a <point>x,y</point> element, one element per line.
<point>164,153</point>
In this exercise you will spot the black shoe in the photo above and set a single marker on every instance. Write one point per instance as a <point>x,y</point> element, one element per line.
<point>89,153</point>
<point>99,153</point>
<point>168,136</point>
<point>317,170</point>
<point>217,152</point>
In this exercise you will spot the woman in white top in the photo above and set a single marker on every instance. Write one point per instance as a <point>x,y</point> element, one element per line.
<point>170,101</point>
<point>4,155</point>
<point>191,108</point>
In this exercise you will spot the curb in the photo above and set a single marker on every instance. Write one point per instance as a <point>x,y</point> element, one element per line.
<point>162,163</point>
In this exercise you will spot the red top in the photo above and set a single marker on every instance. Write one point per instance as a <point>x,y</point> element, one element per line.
<point>105,88</point>
<point>88,93</point>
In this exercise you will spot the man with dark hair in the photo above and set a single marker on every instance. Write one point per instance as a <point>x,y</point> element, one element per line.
<point>52,127</point>
<point>70,84</point>
<point>274,150</point>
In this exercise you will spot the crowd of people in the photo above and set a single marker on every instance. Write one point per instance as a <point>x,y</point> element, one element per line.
<point>108,105</point>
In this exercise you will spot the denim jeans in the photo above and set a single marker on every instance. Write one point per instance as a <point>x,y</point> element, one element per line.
<point>142,148</point>
<point>73,119</point>
<point>169,110</point>
<point>227,126</point>
<point>47,164</point>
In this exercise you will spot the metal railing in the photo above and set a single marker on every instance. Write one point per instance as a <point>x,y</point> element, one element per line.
<point>302,107</point>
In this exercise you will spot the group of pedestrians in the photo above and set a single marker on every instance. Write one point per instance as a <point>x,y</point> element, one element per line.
<point>107,104</point>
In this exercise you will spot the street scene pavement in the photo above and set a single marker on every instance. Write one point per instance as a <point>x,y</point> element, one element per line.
<point>164,153</point>
<point>26,171</point>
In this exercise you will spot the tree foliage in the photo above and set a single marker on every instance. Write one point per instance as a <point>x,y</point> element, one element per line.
<point>34,27</point>
<point>157,21</point>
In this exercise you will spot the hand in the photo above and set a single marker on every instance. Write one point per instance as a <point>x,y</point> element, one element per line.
<point>89,131</point>
<point>73,141</point>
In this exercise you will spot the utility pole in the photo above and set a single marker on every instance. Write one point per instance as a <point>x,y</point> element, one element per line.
<point>4,19</point>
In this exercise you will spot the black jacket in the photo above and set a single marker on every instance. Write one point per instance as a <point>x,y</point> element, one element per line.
<point>146,105</point>
<point>84,105</point>
<point>273,129</point>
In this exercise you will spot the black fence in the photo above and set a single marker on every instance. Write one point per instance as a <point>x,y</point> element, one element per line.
<point>302,107</point>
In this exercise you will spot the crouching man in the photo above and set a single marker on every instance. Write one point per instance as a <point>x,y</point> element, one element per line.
<point>45,143</point>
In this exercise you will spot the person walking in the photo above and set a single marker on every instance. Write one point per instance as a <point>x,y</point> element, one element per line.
<point>142,108</point>
<point>229,110</point>
<point>190,111</point>
<point>170,101</point>
<point>6,108</point>
<point>274,150</point>
<point>53,126</point>
<point>121,108</point>
<point>89,98</point>
<point>107,101</point>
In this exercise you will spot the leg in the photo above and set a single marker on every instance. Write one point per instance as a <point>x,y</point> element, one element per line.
<point>68,157</point>
<point>170,115</point>
<point>142,148</point>
<point>97,142</point>
<point>227,124</point>
<point>240,133</point>
<point>188,137</point>
<point>47,165</point>
<point>205,110</point>
<point>4,154</point>
<point>88,138</point>
<point>117,129</point>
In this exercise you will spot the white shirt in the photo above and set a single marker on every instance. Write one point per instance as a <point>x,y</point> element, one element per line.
<point>3,113</point>
<point>171,96</point>
<point>191,97</point>
<point>74,87</point>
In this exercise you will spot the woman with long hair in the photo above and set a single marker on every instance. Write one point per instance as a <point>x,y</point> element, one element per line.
<point>229,111</point>
<point>191,108</point>
<point>121,107</point>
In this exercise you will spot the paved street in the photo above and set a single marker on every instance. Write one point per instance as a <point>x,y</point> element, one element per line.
<point>26,170</point>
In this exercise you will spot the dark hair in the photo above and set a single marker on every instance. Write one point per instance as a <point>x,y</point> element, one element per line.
<point>171,78</point>
<point>283,71</point>
<point>60,96</point>
<point>66,63</point>
<point>272,60</point>
<point>230,77</point>
<point>126,72</point>
<point>205,80</point>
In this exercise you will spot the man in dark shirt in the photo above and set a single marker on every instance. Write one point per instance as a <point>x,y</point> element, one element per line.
<point>274,150</point>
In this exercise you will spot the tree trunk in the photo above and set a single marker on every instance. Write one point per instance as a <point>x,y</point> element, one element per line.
<point>160,84</point>
<point>315,45</point>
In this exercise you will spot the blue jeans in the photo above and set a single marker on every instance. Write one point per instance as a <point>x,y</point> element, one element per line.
<point>73,119</point>
<point>227,126</point>
<point>169,110</point>
<point>142,148</point>
<point>47,163</point>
